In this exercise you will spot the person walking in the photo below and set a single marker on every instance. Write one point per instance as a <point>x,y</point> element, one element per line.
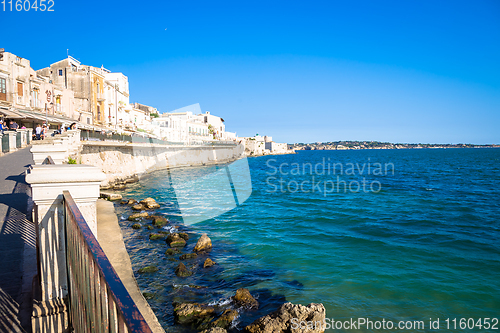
<point>2,127</point>
<point>38,132</point>
<point>44,131</point>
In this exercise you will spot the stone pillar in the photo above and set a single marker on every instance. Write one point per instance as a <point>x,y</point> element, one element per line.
<point>23,132</point>
<point>47,185</point>
<point>30,135</point>
<point>12,140</point>
<point>59,147</point>
<point>40,150</point>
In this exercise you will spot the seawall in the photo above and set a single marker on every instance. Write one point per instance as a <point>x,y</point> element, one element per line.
<point>125,161</point>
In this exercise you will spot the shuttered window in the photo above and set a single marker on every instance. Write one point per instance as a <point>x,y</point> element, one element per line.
<point>3,89</point>
<point>19,89</point>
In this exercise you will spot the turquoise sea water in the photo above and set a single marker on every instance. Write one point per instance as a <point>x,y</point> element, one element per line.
<point>427,245</point>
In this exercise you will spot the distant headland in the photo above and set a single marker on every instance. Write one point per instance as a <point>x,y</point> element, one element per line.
<point>349,145</point>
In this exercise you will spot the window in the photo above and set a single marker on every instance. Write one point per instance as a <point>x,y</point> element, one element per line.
<point>3,89</point>
<point>35,98</point>
<point>19,89</point>
<point>60,72</point>
<point>88,120</point>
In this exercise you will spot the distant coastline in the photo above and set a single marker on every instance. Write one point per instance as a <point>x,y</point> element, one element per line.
<point>356,145</point>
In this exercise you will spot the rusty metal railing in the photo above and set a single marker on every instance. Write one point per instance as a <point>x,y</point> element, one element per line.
<point>98,300</point>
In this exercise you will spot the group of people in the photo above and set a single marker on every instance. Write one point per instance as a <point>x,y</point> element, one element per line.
<point>12,126</point>
<point>40,132</point>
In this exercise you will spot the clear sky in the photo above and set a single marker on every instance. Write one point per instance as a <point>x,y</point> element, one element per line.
<point>399,71</point>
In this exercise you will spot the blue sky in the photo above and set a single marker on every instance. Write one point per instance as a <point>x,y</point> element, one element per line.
<point>399,71</point>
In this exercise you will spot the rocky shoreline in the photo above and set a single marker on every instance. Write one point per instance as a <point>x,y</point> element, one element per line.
<point>204,317</point>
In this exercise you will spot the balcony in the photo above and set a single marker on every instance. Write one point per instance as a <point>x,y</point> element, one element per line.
<point>100,97</point>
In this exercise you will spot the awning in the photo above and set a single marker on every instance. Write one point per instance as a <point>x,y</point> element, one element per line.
<point>51,119</point>
<point>11,114</point>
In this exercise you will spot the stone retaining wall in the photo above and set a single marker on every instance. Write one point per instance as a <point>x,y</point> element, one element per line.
<point>122,161</point>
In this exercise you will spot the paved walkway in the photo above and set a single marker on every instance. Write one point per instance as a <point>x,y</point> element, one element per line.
<point>110,237</point>
<point>17,243</point>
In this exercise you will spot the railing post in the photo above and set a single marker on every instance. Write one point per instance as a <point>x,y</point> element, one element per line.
<point>47,185</point>
<point>12,140</point>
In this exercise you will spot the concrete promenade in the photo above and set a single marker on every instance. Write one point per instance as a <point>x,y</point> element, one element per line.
<point>17,243</point>
<point>110,237</point>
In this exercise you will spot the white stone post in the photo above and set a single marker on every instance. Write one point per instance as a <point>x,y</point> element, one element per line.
<point>47,185</point>
<point>23,132</point>
<point>59,147</point>
<point>40,150</point>
<point>12,140</point>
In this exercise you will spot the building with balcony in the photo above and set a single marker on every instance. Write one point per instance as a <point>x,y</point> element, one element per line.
<point>28,97</point>
<point>186,124</point>
<point>100,95</point>
<point>14,80</point>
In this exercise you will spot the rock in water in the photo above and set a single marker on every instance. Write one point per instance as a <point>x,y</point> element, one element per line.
<point>174,240</point>
<point>215,330</point>
<point>150,203</point>
<point>131,202</point>
<point>282,320</point>
<point>111,196</point>
<point>225,320</point>
<point>148,269</point>
<point>171,252</point>
<point>156,236</point>
<point>159,221</point>
<point>188,256</point>
<point>245,299</point>
<point>203,244</point>
<point>138,207</point>
<point>148,295</point>
<point>182,271</point>
<point>193,314</point>
<point>208,262</point>
<point>153,206</point>
<point>136,226</point>
<point>184,235</point>
<point>138,216</point>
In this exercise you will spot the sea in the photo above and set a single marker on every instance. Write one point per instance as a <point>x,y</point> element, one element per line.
<point>405,237</point>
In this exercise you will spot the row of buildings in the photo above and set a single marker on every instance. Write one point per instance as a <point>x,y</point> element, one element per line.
<point>66,92</point>
<point>95,98</point>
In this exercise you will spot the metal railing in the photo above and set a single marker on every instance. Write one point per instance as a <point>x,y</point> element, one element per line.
<point>86,135</point>
<point>98,300</point>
